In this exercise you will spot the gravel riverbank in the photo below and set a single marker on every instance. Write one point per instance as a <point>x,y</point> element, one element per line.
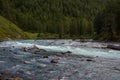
<point>38,64</point>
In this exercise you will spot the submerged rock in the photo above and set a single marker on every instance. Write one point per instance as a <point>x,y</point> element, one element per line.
<point>17,78</point>
<point>45,56</point>
<point>4,73</point>
<point>39,51</point>
<point>4,49</point>
<point>42,65</point>
<point>69,52</point>
<point>54,61</point>
<point>26,49</point>
<point>60,55</point>
<point>64,54</point>
<point>34,50</point>
<point>26,62</point>
<point>89,60</point>
<point>21,71</point>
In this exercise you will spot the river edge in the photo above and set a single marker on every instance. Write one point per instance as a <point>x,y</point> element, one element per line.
<point>38,64</point>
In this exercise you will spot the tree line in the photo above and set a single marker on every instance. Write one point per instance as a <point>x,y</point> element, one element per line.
<point>107,22</point>
<point>75,18</point>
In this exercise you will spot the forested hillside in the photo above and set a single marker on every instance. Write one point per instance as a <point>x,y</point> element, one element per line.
<point>66,18</point>
<point>107,22</point>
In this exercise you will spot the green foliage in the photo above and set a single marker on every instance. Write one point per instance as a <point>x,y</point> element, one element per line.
<point>107,23</point>
<point>9,30</point>
<point>63,17</point>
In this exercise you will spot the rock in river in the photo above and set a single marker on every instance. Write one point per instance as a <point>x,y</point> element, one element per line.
<point>4,73</point>
<point>113,47</point>
<point>26,62</point>
<point>54,61</point>
<point>17,78</point>
<point>45,56</point>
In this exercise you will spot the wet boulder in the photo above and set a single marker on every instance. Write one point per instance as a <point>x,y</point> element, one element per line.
<point>34,49</point>
<point>1,40</point>
<point>69,52</point>
<point>54,61</point>
<point>25,49</point>
<point>45,56</point>
<point>42,65</point>
<point>64,54</point>
<point>40,51</point>
<point>26,62</point>
<point>113,47</point>
<point>89,60</point>
<point>60,55</point>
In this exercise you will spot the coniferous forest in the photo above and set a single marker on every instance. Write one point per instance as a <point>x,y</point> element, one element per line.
<point>97,19</point>
<point>59,39</point>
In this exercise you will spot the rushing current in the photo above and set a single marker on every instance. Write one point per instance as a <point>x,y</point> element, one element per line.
<point>50,64</point>
<point>93,49</point>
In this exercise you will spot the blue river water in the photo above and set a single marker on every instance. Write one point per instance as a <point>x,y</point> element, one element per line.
<point>93,49</point>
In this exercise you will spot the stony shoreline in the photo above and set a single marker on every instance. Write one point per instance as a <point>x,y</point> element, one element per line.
<point>38,64</point>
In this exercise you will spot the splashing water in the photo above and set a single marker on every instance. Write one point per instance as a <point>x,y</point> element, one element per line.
<point>78,48</point>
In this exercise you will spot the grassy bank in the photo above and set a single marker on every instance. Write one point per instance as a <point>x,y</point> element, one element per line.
<point>8,30</point>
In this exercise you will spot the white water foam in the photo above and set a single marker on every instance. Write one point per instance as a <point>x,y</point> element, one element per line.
<point>86,51</point>
<point>15,44</point>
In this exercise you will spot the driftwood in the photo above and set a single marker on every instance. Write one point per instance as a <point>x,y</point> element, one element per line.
<point>113,47</point>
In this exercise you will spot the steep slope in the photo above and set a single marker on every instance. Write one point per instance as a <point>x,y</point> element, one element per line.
<point>8,30</point>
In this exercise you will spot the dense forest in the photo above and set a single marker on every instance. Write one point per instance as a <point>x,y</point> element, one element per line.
<point>107,22</point>
<point>98,19</point>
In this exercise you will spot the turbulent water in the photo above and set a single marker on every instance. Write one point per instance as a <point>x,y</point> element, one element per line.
<point>94,49</point>
<point>39,65</point>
